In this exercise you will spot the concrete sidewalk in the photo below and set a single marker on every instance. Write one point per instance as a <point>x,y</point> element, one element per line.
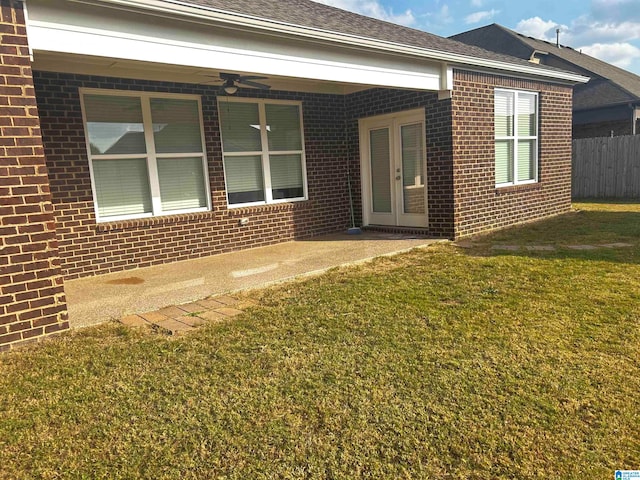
<point>101,298</point>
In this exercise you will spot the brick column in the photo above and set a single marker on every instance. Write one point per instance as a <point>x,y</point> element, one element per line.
<point>32,302</point>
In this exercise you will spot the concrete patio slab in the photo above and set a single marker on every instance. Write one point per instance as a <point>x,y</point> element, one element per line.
<point>102,298</point>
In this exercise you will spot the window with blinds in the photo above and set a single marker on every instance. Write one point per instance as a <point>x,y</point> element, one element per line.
<point>146,154</point>
<point>263,151</point>
<point>516,137</point>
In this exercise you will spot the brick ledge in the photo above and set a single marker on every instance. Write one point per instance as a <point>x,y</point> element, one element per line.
<point>270,208</point>
<point>153,221</point>
<point>518,188</point>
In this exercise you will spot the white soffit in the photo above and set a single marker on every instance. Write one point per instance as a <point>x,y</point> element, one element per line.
<point>62,27</point>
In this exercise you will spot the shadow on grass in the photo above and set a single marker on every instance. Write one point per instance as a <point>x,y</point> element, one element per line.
<point>595,235</point>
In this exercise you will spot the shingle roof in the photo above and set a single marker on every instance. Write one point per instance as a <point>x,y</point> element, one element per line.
<point>609,84</point>
<point>306,13</point>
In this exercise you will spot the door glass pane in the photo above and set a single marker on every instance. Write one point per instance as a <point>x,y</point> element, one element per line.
<point>122,187</point>
<point>526,160</point>
<point>114,124</point>
<point>504,114</point>
<point>240,127</point>
<point>412,169</point>
<point>182,184</point>
<point>504,161</point>
<point>380,170</point>
<point>176,125</point>
<point>283,127</point>
<point>244,178</point>
<point>526,114</point>
<point>286,176</point>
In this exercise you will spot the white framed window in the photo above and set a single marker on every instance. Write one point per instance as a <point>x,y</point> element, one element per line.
<point>263,151</point>
<point>516,137</point>
<point>146,154</point>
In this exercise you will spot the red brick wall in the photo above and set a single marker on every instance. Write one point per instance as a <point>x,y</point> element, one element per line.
<point>88,248</point>
<point>32,302</point>
<point>479,205</point>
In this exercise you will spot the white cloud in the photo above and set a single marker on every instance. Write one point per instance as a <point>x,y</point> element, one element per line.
<point>373,8</point>
<point>606,40</point>
<point>436,19</point>
<point>480,16</point>
<point>476,3</point>
<point>537,28</point>
<point>443,14</point>
<point>619,54</point>
<point>585,31</point>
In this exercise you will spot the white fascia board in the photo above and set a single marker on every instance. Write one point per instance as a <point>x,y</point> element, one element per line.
<point>176,8</point>
<point>56,38</point>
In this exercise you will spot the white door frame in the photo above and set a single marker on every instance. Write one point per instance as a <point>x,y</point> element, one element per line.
<point>393,121</point>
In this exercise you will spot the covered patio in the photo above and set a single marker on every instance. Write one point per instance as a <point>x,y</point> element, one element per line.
<point>97,299</point>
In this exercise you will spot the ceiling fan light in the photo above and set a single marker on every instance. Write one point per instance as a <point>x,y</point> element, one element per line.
<point>230,87</point>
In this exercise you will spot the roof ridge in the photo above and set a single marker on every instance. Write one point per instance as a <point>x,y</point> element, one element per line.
<point>562,46</point>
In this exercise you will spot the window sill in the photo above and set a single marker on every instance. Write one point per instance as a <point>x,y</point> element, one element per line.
<point>526,187</point>
<point>152,221</point>
<point>269,207</point>
<point>115,225</point>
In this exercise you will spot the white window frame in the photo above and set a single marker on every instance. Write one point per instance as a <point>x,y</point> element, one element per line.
<point>516,138</point>
<point>265,152</point>
<point>151,156</point>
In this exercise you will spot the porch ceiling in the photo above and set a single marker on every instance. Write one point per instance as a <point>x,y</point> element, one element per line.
<point>77,37</point>
<point>119,68</point>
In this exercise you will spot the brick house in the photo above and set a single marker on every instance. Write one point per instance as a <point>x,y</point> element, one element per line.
<point>129,140</point>
<point>608,105</point>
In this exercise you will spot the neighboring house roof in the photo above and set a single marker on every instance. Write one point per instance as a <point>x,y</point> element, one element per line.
<point>609,84</point>
<point>323,18</point>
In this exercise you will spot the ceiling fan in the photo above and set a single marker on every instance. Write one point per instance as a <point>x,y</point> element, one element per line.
<point>233,80</point>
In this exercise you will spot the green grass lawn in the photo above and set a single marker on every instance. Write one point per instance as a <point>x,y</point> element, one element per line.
<point>444,363</point>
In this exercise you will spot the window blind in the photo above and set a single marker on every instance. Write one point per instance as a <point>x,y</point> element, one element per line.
<point>283,127</point>
<point>240,127</point>
<point>526,115</point>
<point>244,173</point>
<point>176,125</point>
<point>122,187</point>
<point>412,155</point>
<point>114,124</point>
<point>182,184</point>
<point>503,114</point>
<point>526,160</point>
<point>504,161</point>
<point>286,176</point>
<point>380,170</point>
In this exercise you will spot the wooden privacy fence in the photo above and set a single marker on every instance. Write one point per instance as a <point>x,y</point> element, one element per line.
<point>606,167</point>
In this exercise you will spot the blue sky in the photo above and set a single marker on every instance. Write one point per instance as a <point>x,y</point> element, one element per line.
<point>605,29</point>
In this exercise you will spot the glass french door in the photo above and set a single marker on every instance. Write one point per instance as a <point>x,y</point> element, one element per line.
<point>394,170</point>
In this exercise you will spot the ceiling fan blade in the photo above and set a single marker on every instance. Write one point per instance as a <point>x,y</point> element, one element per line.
<point>242,78</point>
<point>229,76</point>
<point>249,83</point>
